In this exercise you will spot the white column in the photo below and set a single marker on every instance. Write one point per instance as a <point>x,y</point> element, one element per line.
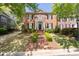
<point>75,25</point>
<point>61,26</point>
<point>49,17</point>
<point>44,26</point>
<point>37,26</point>
<point>49,26</point>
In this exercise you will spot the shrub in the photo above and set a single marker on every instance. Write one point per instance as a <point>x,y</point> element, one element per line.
<point>34,37</point>
<point>32,30</point>
<point>69,31</point>
<point>57,30</point>
<point>23,29</point>
<point>65,42</point>
<point>49,30</point>
<point>48,36</point>
<point>3,31</point>
<point>76,34</point>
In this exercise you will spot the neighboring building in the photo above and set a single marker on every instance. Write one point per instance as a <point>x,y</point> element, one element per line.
<point>67,23</point>
<point>40,20</point>
<point>6,21</point>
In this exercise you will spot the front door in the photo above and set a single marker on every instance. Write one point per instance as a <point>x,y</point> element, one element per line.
<point>40,26</point>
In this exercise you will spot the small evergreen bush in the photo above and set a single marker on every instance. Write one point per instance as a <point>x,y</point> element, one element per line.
<point>34,37</point>
<point>57,30</point>
<point>48,37</point>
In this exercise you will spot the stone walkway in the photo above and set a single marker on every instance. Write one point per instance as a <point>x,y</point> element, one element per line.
<point>42,41</point>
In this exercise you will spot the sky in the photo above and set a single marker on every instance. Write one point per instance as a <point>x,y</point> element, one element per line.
<point>46,7</point>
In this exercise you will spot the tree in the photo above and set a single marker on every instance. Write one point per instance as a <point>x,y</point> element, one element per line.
<point>76,12</point>
<point>63,10</point>
<point>19,8</point>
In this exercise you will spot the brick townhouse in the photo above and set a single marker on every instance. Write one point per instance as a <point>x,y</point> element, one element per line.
<point>40,20</point>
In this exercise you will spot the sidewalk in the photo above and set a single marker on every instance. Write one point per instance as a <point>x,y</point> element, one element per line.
<point>47,52</point>
<point>55,52</point>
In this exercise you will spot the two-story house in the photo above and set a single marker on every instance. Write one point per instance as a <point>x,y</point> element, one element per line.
<point>6,21</point>
<point>40,20</point>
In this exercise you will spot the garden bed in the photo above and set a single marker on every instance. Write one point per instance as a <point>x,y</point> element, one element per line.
<point>14,44</point>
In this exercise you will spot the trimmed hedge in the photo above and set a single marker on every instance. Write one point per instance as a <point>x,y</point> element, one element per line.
<point>69,31</point>
<point>57,30</point>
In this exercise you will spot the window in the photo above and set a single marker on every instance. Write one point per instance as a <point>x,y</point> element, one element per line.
<point>3,19</point>
<point>64,19</point>
<point>47,16</point>
<point>72,25</point>
<point>62,26</point>
<point>51,17</point>
<point>69,25</point>
<point>47,25</point>
<point>52,25</point>
<point>32,25</point>
<point>71,19</point>
<point>28,26</point>
<point>32,16</point>
<point>65,25</point>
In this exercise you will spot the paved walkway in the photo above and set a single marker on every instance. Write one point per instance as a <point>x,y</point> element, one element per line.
<point>45,43</point>
<point>4,37</point>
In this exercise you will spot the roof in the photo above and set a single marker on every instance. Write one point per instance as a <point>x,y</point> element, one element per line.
<point>38,13</point>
